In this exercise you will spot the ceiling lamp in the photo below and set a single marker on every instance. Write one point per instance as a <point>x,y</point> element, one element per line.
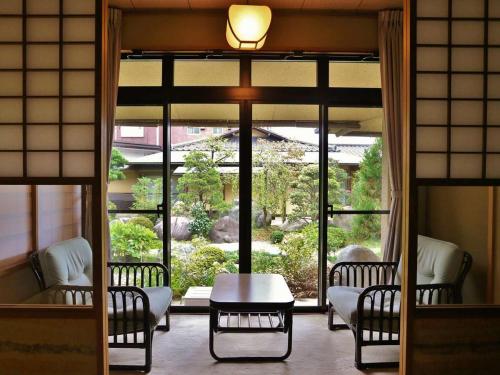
<point>247,26</point>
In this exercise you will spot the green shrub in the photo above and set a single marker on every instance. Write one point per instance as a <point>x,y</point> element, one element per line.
<point>200,267</point>
<point>263,262</point>
<point>201,224</point>
<point>299,265</point>
<point>132,242</point>
<point>277,236</point>
<point>143,221</point>
<point>336,237</point>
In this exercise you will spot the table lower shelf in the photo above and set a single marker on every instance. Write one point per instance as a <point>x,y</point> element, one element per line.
<point>251,322</point>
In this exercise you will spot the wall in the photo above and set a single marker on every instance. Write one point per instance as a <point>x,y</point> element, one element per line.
<point>290,31</point>
<point>496,248</point>
<point>458,214</point>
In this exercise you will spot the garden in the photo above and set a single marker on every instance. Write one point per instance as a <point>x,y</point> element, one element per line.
<point>285,214</point>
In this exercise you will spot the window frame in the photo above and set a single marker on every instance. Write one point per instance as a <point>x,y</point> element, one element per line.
<point>244,94</point>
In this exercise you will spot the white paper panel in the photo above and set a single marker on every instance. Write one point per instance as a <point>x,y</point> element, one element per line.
<point>78,164</point>
<point>79,30</point>
<point>284,73</point>
<point>494,8</point>
<point>493,113</point>
<point>11,137</point>
<point>494,32</point>
<point>431,112</point>
<point>432,8</point>
<point>78,110</point>
<point>42,56</point>
<point>493,140</point>
<point>78,137</point>
<point>42,7</point>
<point>79,6</point>
<point>42,29</point>
<point>11,110</point>
<point>147,73</point>
<point>42,83</point>
<point>467,59</point>
<point>466,166</point>
<point>466,112</point>
<point>11,29</point>
<point>467,86</point>
<point>432,32</point>
<point>42,110</point>
<point>493,166</point>
<point>493,86</point>
<point>11,164</point>
<point>494,59</point>
<point>79,56</point>
<point>354,74</point>
<point>43,164</point>
<point>11,7</point>
<point>431,139</point>
<point>11,83</point>
<point>43,137</point>
<point>435,59</point>
<point>468,8</point>
<point>431,165</point>
<point>12,57</point>
<point>432,85</point>
<point>467,139</point>
<point>467,32</point>
<point>78,83</point>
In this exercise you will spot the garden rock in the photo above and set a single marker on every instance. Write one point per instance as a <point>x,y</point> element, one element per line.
<point>261,222</point>
<point>293,226</point>
<point>179,228</point>
<point>357,253</point>
<point>226,229</point>
<point>234,212</point>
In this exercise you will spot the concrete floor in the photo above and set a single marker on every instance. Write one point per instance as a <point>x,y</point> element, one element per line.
<point>316,350</point>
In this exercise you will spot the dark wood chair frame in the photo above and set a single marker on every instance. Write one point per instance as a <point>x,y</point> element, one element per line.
<point>127,281</point>
<point>379,326</point>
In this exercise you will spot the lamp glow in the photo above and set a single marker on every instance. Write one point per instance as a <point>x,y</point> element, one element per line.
<point>247,26</point>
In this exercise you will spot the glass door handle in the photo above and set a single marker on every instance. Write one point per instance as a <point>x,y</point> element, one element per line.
<point>329,211</point>
<point>159,207</point>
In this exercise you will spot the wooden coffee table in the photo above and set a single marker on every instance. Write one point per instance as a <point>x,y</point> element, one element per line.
<point>251,303</point>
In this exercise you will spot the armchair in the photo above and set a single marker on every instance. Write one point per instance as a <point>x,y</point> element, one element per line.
<point>138,294</point>
<point>366,295</point>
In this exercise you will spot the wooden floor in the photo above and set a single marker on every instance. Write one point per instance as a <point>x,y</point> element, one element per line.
<point>316,350</point>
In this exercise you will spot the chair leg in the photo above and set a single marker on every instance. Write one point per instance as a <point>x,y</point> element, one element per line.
<point>331,325</point>
<point>149,352</point>
<point>357,350</point>
<point>165,327</point>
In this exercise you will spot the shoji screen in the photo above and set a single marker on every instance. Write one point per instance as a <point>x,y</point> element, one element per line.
<point>458,89</point>
<point>47,88</point>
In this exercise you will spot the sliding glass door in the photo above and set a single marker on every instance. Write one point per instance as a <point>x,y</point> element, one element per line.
<point>204,198</point>
<point>285,195</point>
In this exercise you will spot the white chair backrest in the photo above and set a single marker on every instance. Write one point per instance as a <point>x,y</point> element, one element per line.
<point>437,261</point>
<point>67,263</point>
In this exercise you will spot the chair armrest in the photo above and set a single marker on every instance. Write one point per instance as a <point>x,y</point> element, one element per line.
<point>69,295</point>
<point>436,294</point>
<point>383,312</point>
<point>124,302</point>
<point>363,274</point>
<point>138,274</point>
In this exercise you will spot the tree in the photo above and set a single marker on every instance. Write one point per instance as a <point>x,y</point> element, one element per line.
<point>274,166</point>
<point>117,165</point>
<point>305,193</point>
<point>366,193</point>
<point>202,181</point>
<point>148,194</point>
